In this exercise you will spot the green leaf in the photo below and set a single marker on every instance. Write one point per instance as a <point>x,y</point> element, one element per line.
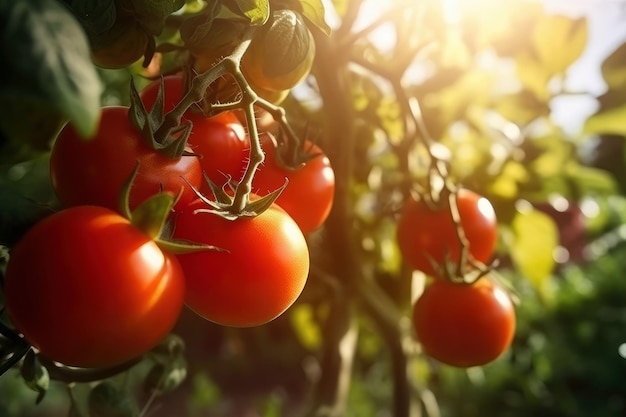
<point>166,377</point>
<point>614,68</point>
<point>96,16</point>
<point>558,41</point>
<point>591,180</point>
<point>314,11</point>
<point>256,11</point>
<point>151,14</point>
<point>109,400</point>
<point>35,375</point>
<point>304,325</point>
<point>535,239</point>
<point>609,121</point>
<point>46,60</point>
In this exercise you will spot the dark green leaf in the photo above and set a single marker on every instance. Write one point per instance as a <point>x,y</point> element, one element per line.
<point>35,375</point>
<point>46,60</point>
<point>164,377</point>
<point>109,400</point>
<point>96,16</point>
<point>151,14</point>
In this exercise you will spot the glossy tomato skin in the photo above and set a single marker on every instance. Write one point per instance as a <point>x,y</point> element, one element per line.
<point>220,141</point>
<point>260,274</point>
<point>464,325</point>
<point>308,197</point>
<point>94,171</point>
<point>425,236</point>
<point>90,290</point>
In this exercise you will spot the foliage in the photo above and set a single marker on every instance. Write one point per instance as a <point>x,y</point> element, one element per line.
<point>408,101</point>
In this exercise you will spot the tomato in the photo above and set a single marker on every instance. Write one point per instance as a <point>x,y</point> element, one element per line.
<point>260,275</point>
<point>89,289</point>
<point>308,197</point>
<point>426,236</point>
<point>464,325</point>
<point>220,141</point>
<point>93,172</point>
<point>281,55</point>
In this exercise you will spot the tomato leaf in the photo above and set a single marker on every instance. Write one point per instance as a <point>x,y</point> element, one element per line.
<point>151,14</point>
<point>47,63</point>
<point>302,319</point>
<point>314,11</point>
<point>35,375</point>
<point>535,238</point>
<point>109,400</point>
<point>257,11</point>
<point>96,16</point>
<point>614,68</point>
<point>608,121</point>
<point>558,41</point>
<point>165,377</point>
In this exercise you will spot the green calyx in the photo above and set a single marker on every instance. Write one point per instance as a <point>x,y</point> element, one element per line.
<point>152,218</point>
<point>224,197</point>
<point>161,133</point>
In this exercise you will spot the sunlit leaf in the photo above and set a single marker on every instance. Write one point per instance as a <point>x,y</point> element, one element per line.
<point>534,75</point>
<point>257,11</point>
<point>591,180</point>
<point>609,121</point>
<point>305,327</point>
<point>558,41</point>
<point>614,68</point>
<point>313,10</point>
<point>536,237</point>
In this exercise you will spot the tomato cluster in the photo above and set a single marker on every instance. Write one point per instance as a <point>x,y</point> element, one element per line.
<point>457,322</point>
<point>91,287</point>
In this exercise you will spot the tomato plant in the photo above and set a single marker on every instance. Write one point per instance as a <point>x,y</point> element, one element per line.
<point>308,197</point>
<point>220,141</point>
<point>93,171</point>
<point>464,324</point>
<point>259,275</point>
<point>100,292</point>
<point>428,238</point>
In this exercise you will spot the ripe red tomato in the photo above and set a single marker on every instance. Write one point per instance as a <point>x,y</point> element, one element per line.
<point>94,171</point>
<point>426,236</point>
<point>308,197</point>
<point>221,141</point>
<point>464,325</point>
<point>89,289</point>
<point>262,272</point>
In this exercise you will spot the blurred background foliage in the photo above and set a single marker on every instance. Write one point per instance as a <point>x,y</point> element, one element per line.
<point>486,83</point>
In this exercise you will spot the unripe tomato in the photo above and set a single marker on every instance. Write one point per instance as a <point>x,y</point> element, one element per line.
<point>281,55</point>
